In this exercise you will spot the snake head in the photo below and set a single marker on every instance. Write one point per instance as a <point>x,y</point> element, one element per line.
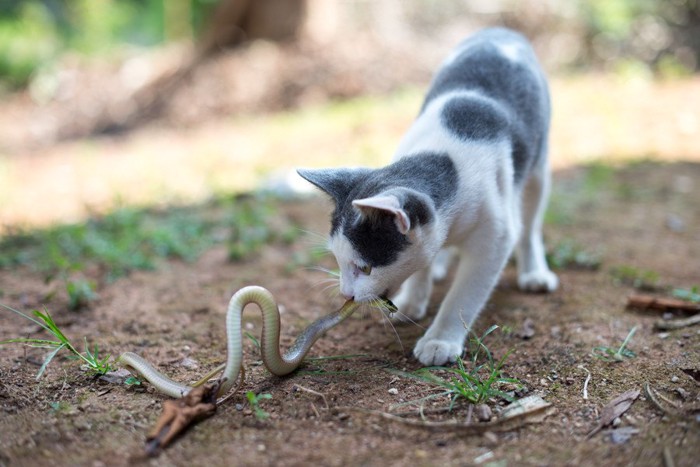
<point>389,306</point>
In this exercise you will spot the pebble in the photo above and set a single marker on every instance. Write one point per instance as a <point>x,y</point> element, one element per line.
<point>675,223</point>
<point>617,422</point>
<point>685,395</point>
<point>491,437</point>
<point>622,435</point>
<point>393,391</point>
<point>483,412</point>
<point>674,379</point>
<point>189,363</point>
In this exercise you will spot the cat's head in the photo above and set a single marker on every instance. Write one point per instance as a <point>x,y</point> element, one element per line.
<point>381,232</point>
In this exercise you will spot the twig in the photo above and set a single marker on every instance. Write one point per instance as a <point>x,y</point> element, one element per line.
<point>649,302</point>
<point>313,407</point>
<point>421,411</point>
<point>501,425</point>
<point>585,383</point>
<point>666,325</point>
<point>315,393</point>
<point>652,396</point>
<point>668,458</point>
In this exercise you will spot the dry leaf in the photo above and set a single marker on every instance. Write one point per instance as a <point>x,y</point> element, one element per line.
<point>614,409</point>
<point>178,414</point>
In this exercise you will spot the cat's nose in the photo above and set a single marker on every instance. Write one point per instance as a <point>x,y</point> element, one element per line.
<point>347,296</point>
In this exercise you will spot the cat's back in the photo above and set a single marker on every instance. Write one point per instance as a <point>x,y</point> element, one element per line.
<point>489,91</point>
<point>496,63</point>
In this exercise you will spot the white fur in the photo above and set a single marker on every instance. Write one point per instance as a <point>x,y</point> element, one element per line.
<point>478,228</point>
<point>481,227</point>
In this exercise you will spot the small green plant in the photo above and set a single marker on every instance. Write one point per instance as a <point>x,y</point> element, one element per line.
<point>80,293</point>
<point>476,384</point>
<point>132,381</point>
<point>254,402</point>
<point>250,227</point>
<point>690,295</point>
<point>609,354</point>
<point>567,254</point>
<point>253,339</point>
<point>90,357</point>
<point>638,278</point>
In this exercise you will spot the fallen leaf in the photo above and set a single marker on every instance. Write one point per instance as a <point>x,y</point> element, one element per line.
<point>179,414</point>
<point>614,409</point>
<point>524,406</point>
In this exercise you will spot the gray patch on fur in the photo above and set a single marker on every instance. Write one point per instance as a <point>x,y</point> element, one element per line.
<point>516,88</point>
<point>423,183</point>
<point>471,118</point>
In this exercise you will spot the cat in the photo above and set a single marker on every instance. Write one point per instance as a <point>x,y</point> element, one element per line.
<point>469,179</point>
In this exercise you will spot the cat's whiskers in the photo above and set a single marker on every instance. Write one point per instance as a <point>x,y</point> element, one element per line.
<point>331,272</point>
<point>407,318</point>
<point>318,242</point>
<point>385,312</point>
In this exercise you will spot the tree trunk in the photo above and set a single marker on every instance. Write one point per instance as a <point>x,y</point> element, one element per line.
<point>236,21</point>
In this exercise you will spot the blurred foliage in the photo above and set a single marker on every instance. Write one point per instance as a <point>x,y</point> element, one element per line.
<point>634,35</point>
<point>34,33</point>
<point>130,238</point>
<point>661,36</point>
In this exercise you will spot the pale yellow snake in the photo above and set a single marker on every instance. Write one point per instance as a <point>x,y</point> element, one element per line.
<point>269,342</point>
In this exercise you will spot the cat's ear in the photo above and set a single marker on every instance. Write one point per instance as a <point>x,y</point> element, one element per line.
<point>385,204</point>
<point>336,182</point>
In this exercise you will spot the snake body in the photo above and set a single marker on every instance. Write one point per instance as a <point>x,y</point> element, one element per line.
<point>269,343</point>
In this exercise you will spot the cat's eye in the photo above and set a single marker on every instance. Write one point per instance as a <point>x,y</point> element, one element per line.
<point>366,269</point>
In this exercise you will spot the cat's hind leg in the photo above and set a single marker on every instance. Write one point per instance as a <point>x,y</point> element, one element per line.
<point>534,274</point>
<point>441,263</point>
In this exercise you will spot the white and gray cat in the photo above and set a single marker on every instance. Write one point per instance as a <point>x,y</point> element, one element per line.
<point>470,177</point>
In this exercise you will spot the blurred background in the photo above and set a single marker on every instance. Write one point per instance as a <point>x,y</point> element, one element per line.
<point>152,102</point>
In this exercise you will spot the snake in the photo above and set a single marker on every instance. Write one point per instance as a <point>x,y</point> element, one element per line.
<point>276,363</point>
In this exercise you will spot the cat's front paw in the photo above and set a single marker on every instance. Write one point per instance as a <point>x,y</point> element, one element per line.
<point>430,351</point>
<point>538,281</point>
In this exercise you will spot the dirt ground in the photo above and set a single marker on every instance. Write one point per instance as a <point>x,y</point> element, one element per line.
<point>644,216</point>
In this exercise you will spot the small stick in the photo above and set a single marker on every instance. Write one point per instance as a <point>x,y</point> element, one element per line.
<point>585,383</point>
<point>667,325</point>
<point>313,407</point>
<point>668,458</point>
<point>508,424</point>
<point>315,393</point>
<point>649,302</point>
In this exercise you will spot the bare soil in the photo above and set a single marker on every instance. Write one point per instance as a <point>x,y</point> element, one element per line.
<point>645,216</point>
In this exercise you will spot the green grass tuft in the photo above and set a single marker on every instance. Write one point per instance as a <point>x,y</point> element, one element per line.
<point>609,354</point>
<point>638,278</point>
<point>567,254</point>
<point>690,295</point>
<point>475,381</point>
<point>90,357</point>
<point>254,402</point>
<point>106,248</point>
